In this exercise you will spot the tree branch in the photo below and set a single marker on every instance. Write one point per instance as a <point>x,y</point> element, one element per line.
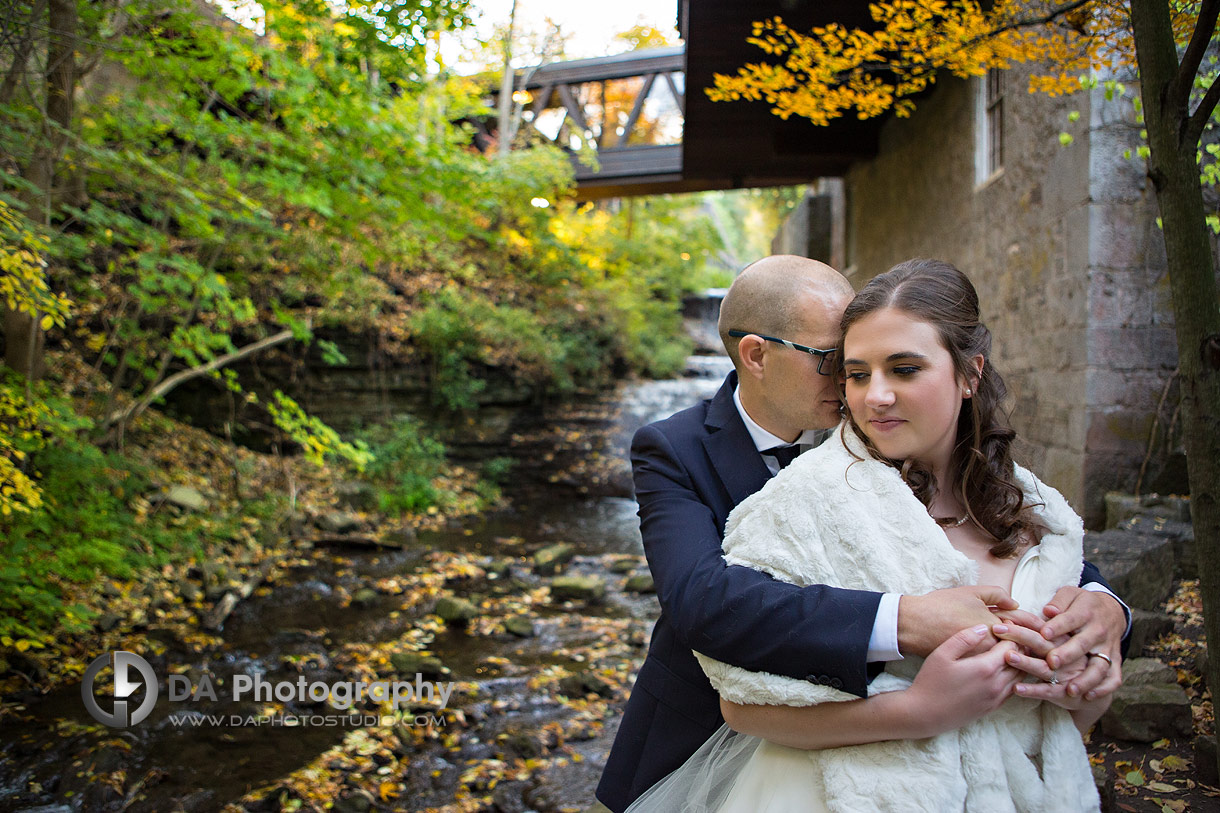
<point>173,381</point>
<point>1192,129</point>
<point>1192,57</point>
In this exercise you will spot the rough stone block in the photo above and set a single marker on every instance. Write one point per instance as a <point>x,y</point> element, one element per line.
<point>1147,672</point>
<point>1181,534</point>
<point>1120,507</point>
<point>1138,566</point>
<point>1146,627</point>
<point>1146,713</point>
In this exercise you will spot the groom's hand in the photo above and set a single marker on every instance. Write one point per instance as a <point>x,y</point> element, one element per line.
<point>1092,622</point>
<point>927,621</point>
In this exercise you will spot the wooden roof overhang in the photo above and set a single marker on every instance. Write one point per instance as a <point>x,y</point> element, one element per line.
<point>744,144</point>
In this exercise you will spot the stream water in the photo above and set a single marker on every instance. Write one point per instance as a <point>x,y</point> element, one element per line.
<point>177,759</point>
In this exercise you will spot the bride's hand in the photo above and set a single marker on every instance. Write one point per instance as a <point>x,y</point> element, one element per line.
<point>963,679</point>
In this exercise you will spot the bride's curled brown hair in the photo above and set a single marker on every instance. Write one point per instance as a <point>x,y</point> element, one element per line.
<point>935,292</point>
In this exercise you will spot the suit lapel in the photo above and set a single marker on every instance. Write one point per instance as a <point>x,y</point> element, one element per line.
<point>735,460</point>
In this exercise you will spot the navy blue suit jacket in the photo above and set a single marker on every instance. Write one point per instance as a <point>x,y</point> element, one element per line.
<point>690,471</point>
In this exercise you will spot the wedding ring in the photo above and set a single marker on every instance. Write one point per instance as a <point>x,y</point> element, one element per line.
<point>1101,655</point>
<point>1054,681</point>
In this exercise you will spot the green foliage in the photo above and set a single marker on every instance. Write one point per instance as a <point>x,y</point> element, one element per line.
<point>318,440</point>
<point>84,530</point>
<point>405,467</point>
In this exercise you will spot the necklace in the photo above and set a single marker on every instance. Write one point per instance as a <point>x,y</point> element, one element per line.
<point>952,522</point>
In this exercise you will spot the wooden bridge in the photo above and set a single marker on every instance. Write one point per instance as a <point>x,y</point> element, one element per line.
<point>646,118</point>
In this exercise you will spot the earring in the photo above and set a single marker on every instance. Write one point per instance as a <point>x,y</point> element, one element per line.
<point>968,392</point>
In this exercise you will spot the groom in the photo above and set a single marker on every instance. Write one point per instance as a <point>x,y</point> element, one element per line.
<point>693,468</point>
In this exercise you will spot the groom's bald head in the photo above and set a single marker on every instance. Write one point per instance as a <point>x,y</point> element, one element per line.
<point>778,295</point>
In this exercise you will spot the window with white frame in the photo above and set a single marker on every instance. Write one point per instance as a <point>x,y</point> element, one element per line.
<point>989,129</point>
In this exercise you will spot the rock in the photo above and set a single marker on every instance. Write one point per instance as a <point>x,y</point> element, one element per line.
<point>509,797</point>
<point>520,625</point>
<point>454,610</point>
<point>365,597</point>
<point>1181,534</point>
<point>357,801</point>
<point>111,590</point>
<point>1146,627</point>
<point>640,583</point>
<point>498,568</point>
<point>1139,566</point>
<point>186,498</point>
<point>356,495</point>
<point>412,663</point>
<point>552,558</point>
<point>338,522</point>
<point>523,744</point>
<point>108,621</point>
<point>577,588</point>
<point>1146,713</point>
<point>1147,672</point>
<point>1120,507</point>
<point>583,683</point>
<point>624,565</point>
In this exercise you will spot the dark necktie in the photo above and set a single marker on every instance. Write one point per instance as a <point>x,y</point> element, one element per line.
<point>784,454</point>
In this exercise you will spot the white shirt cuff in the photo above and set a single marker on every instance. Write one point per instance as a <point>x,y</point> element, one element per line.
<point>883,643</point>
<point>1097,587</point>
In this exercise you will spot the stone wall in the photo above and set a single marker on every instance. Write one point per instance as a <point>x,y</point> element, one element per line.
<point>1063,248</point>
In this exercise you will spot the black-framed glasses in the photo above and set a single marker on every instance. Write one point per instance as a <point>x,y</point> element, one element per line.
<point>825,357</point>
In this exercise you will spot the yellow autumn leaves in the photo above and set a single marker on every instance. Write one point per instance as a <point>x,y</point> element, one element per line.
<point>832,70</point>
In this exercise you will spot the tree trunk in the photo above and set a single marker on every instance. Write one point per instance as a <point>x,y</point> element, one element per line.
<point>504,119</point>
<point>23,334</point>
<point>1174,171</point>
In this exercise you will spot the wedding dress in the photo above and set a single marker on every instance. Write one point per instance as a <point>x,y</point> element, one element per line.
<point>837,516</point>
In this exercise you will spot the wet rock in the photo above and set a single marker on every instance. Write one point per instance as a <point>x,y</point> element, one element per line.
<point>640,583</point>
<point>454,610</point>
<point>625,565</point>
<point>520,625</point>
<point>1149,705</point>
<point>584,683</point>
<point>523,744</point>
<point>551,559</point>
<point>1139,566</point>
<point>365,597</point>
<point>412,663</point>
<point>577,588</point>
<point>1146,627</point>
<point>356,801</point>
<point>499,568</point>
<point>509,797</point>
<point>338,522</point>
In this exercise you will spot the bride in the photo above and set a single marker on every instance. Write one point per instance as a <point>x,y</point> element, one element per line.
<point>915,491</point>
